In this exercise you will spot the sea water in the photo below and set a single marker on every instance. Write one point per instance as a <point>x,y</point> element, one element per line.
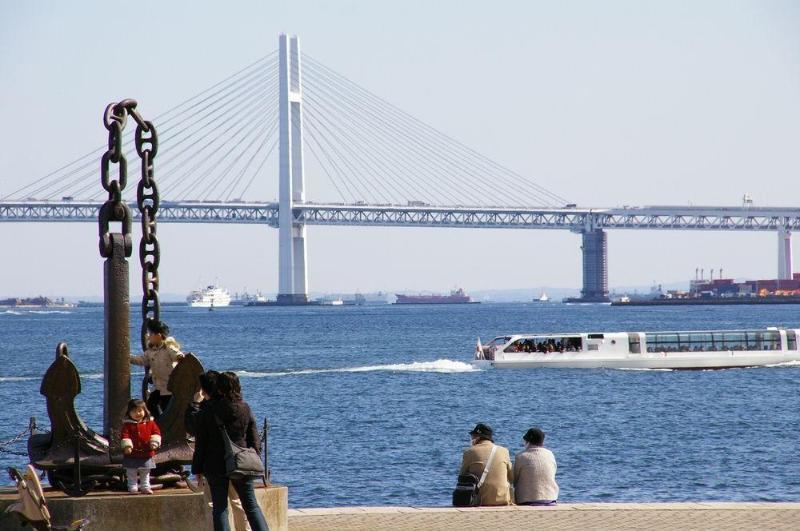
<point>372,405</point>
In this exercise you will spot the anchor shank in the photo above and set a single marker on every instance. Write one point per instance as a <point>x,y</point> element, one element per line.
<point>117,386</point>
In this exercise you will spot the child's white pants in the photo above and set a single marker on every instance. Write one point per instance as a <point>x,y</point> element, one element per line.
<point>137,474</point>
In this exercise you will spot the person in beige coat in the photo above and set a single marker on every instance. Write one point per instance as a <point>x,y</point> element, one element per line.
<point>535,472</point>
<point>496,488</point>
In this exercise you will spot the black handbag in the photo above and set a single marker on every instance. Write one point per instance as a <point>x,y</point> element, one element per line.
<point>466,493</point>
<point>468,487</point>
<point>240,462</point>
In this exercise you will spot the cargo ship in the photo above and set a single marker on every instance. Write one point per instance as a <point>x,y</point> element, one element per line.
<point>721,291</point>
<point>457,296</point>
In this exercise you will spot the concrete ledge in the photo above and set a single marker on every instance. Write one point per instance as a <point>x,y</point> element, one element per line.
<point>694,515</point>
<point>173,509</point>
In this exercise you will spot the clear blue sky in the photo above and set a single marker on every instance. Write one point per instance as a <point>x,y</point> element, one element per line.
<point>607,103</point>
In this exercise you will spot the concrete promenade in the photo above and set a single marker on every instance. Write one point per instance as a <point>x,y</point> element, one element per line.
<point>567,516</point>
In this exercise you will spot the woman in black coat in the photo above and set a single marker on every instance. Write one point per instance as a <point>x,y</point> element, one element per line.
<point>209,451</point>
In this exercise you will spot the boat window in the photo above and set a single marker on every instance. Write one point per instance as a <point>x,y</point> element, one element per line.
<point>764,340</point>
<point>595,336</point>
<point>711,341</point>
<point>634,344</point>
<point>516,346</point>
<point>700,342</point>
<point>499,341</point>
<point>730,340</point>
<point>791,339</point>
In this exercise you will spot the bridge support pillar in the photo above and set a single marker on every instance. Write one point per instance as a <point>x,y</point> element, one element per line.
<point>292,267</point>
<point>784,254</point>
<point>595,266</point>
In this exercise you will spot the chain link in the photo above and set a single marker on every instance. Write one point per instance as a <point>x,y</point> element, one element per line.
<point>5,445</point>
<point>114,209</point>
<point>147,200</point>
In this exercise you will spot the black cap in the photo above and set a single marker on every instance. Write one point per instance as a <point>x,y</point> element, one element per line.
<point>157,327</point>
<point>534,436</point>
<point>482,430</point>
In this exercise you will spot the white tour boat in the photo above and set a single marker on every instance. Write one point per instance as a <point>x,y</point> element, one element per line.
<point>209,297</point>
<point>711,349</point>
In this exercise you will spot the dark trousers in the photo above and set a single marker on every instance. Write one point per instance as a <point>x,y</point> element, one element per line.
<point>219,501</point>
<point>157,403</point>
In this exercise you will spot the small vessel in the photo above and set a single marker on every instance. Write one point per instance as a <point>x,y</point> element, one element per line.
<point>703,349</point>
<point>328,301</point>
<point>457,296</point>
<point>243,299</point>
<point>36,302</point>
<point>542,298</point>
<point>209,297</point>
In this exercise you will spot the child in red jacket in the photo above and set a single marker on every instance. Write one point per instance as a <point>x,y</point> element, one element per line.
<point>140,439</point>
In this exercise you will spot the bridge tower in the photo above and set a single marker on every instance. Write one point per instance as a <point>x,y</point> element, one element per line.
<point>595,266</point>
<point>784,253</point>
<point>292,270</point>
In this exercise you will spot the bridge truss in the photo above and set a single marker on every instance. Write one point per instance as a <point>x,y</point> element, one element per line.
<point>574,219</point>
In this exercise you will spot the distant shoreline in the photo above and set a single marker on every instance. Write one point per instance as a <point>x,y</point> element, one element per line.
<point>718,301</point>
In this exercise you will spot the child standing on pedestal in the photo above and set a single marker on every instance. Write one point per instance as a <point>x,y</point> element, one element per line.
<point>161,356</point>
<point>140,440</point>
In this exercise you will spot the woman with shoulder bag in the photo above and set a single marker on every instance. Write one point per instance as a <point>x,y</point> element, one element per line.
<point>229,412</point>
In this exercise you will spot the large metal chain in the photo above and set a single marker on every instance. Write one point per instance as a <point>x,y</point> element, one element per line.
<point>5,446</point>
<point>114,209</point>
<point>147,199</point>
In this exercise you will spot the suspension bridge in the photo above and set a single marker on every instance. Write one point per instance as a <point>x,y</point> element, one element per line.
<point>373,164</point>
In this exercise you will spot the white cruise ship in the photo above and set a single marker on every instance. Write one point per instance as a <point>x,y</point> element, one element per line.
<point>209,297</point>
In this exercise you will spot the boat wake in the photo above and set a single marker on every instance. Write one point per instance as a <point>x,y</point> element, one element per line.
<point>793,363</point>
<point>643,369</point>
<point>439,366</point>
<point>37,312</point>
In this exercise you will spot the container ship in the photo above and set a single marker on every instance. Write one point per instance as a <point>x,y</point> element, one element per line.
<point>456,296</point>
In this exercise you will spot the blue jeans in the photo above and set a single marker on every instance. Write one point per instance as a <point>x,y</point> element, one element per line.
<point>219,501</point>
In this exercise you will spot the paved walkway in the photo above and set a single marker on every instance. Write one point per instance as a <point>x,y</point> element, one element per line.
<point>583,516</point>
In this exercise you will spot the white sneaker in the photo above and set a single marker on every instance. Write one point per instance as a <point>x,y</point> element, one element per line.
<point>133,490</point>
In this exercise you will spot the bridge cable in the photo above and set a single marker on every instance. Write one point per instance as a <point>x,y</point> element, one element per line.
<point>251,135</point>
<point>160,119</point>
<point>349,113</point>
<point>264,139</point>
<point>363,180</point>
<point>359,105</point>
<point>350,141</point>
<point>465,150</point>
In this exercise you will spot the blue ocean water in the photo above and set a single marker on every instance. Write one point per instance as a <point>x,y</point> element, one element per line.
<point>371,405</point>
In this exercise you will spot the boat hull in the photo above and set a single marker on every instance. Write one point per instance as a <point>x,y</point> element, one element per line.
<point>654,360</point>
<point>209,304</point>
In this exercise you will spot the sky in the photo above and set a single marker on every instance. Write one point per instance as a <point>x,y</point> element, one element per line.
<point>605,103</point>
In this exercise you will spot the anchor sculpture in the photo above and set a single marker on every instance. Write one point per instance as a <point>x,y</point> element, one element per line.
<point>75,457</point>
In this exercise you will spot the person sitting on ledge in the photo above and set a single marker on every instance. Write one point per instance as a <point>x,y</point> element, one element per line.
<point>535,472</point>
<point>496,488</point>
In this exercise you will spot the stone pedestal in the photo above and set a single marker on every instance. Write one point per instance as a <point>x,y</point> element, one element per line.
<point>173,509</point>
